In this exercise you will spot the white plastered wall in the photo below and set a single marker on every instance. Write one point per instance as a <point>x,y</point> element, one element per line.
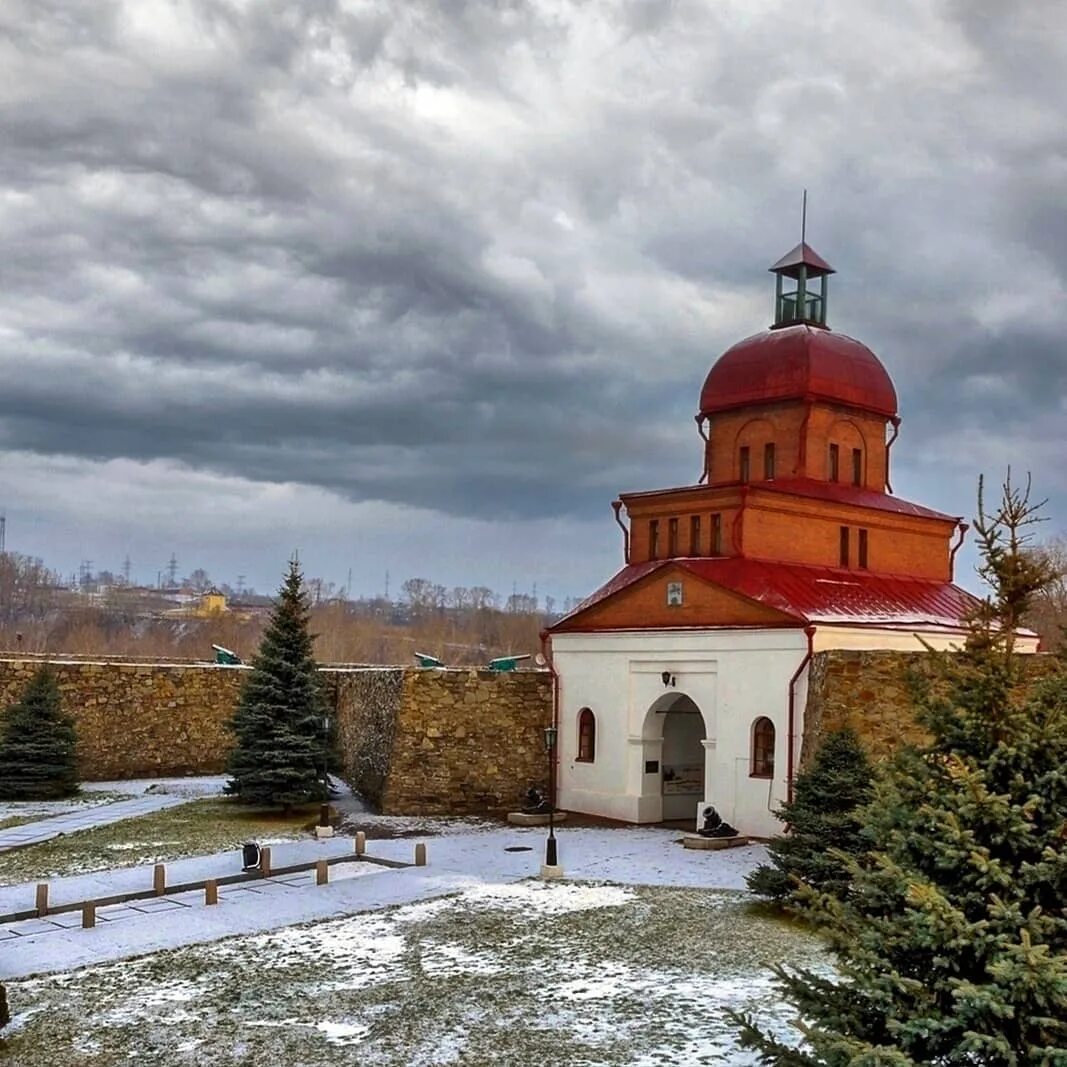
<point>733,676</point>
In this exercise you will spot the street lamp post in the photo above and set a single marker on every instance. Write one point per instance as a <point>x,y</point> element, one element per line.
<point>550,845</point>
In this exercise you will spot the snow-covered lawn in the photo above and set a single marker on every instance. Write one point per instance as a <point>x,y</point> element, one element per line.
<point>518,974</point>
<point>196,786</point>
<point>16,812</point>
<point>196,828</point>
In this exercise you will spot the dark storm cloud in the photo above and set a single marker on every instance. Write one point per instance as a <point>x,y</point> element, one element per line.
<point>478,257</point>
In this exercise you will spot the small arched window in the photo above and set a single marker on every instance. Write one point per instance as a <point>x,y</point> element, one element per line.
<point>763,748</point>
<point>586,736</point>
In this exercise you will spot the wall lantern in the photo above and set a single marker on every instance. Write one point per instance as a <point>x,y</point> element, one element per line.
<point>550,737</point>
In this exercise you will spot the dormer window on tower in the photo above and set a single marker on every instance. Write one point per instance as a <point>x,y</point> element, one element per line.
<point>805,300</point>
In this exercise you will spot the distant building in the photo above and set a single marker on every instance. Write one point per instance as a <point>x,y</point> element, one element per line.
<point>683,680</point>
<point>207,605</point>
<point>211,602</point>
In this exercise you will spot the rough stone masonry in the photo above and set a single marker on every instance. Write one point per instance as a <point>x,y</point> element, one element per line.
<point>412,740</point>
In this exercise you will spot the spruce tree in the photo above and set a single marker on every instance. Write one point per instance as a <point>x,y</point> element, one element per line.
<point>823,820</point>
<point>37,745</point>
<point>951,945</point>
<point>278,724</point>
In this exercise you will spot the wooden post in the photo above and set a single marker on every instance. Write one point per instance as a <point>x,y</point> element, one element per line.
<point>211,891</point>
<point>42,899</point>
<point>264,862</point>
<point>322,872</point>
<point>159,879</point>
<point>420,855</point>
<point>88,915</point>
<point>361,842</point>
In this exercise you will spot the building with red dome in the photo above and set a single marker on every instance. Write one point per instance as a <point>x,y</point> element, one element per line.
<point>682,681</point>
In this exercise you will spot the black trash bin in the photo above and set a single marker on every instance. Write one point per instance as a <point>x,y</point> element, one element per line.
<point>250,855</point>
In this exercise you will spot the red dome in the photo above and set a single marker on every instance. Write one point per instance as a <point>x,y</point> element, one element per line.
<point>797,362</point>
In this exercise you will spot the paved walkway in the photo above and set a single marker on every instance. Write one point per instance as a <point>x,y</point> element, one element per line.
<point>33,833</point>
<point>638,856</point>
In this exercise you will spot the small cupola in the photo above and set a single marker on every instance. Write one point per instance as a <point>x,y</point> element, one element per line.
<point>802,303</point>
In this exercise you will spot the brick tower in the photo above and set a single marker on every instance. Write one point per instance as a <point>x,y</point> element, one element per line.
<point>682,679</point>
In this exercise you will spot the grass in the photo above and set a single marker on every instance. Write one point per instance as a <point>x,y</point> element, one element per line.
<point>523,975</point>
<point>20,812</point>
<point>18,820</point>
<point>197,828</point>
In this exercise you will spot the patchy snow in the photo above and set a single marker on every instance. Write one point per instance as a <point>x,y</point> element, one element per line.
<point>198,786</point>
<point>476,862</point>
<point>629,976</point>
<point>547,899</point>
<point>45,809</point>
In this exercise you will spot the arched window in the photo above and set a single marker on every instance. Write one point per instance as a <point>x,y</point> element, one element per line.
<point>586,736</point>
<point>763,748</point>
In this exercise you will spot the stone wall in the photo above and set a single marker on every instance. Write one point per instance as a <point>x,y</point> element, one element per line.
<point>869,691</point>
<point>444,741</point>
<point>139,718</point>
<point>412,741</point>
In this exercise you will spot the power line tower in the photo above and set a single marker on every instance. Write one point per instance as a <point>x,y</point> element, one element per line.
<point>240,584</point>
<point>3,533</point>
<point>172,571</point>
<point>126,570</point>
<point>85,575</point>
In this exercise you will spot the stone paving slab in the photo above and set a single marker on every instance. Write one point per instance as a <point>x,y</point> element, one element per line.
<point>33,833</point>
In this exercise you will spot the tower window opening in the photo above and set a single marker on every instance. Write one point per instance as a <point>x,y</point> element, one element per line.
<point>768,461</point>
<point>716,534</point>
<point>861,549</point>
<point>762,748</point>
<point>844,546</point>
<point>653,539</point>
<point>744,471</point>
<point>834,472</point>
<point>694,535</point>
<point>672,538</point>
<point>857,466</point>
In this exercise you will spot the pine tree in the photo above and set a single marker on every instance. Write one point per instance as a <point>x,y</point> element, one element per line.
<point>279,721</point>
<point>951,946</point>
<point>824,823</point>
<point>37,745</point>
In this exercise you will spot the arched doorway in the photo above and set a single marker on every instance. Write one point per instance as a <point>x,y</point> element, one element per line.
<point>676,721</point>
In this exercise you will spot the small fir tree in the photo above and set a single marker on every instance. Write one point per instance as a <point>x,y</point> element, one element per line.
<point>824,824</point>
<point>951,945</point>
<point>37,745</point>
<point>279,721</point>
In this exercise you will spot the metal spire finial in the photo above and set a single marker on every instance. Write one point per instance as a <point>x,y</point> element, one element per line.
<point>804,218</point>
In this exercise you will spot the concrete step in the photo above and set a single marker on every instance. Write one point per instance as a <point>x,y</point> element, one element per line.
<point>522,818</point>
<point>713,844</point>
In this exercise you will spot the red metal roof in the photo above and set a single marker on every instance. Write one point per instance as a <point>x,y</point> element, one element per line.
<point>798,362</point>
<point>812,489</point>
<point>840,493</point>
<point>806,255</point>
<point>827,595</point>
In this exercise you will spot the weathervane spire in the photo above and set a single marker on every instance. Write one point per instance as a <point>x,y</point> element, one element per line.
<point>804,218</point>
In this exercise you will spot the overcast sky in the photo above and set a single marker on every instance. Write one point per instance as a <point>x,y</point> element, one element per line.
<point>421,287</point>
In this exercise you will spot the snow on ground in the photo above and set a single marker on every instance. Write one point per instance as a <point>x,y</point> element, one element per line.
<point>521,974</point>
<point>199,786</point>
<point>483,861</point>
<point>44,809</point>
